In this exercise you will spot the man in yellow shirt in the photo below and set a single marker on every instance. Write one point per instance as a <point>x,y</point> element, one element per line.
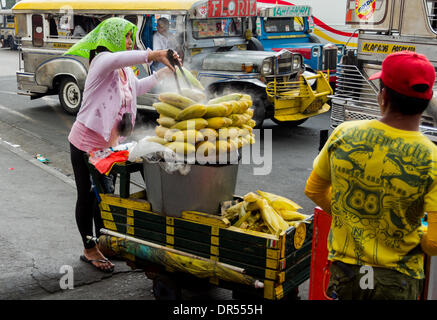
<point>377,178</point>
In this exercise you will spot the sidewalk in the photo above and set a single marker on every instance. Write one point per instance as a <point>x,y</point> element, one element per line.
<point>38,232</point>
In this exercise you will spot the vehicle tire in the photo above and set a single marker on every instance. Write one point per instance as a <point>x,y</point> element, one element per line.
<point>12,44</point>
<point>259,111</point>
<point>165,288</point>
<point>255,45</point>
<point>290,124</point>
<point>70,95</point>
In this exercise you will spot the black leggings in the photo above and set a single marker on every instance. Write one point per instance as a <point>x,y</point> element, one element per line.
<point>87,208</point>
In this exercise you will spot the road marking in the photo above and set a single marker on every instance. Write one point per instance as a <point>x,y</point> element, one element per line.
<point>16,113</point>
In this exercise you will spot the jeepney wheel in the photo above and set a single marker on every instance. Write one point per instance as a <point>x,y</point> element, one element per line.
<point>290,124</point>
<point>166,288</point>
<point>259,110</point>
<point>70,96</point>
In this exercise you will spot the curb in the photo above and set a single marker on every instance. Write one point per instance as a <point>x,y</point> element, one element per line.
<point>27,157</point>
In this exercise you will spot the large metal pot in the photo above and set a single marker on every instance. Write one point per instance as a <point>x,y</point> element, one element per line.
<point>202,189</point>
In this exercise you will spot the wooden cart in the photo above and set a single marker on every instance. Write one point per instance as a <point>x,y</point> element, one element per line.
<point>281,263</point>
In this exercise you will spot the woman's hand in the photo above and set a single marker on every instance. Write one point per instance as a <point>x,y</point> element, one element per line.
<point>161,56</point>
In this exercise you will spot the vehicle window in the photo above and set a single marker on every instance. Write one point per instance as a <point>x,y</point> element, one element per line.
<point>279,25</point>
<point>65,26</point>
<point>431,7</point>
<point>37,30</point>
<point>132,18</point>
<point>10,19</point>
<point>217,28</point>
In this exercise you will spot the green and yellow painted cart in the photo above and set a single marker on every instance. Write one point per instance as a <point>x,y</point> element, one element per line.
<point>201,246</point>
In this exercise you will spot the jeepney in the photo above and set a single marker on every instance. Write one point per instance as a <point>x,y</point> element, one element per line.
<point>213,39</point>
<point>7,25</point>
<point>289,27</point>
<point>385,26</point>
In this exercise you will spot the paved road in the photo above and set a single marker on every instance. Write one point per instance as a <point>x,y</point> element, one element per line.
<point>40,126</point>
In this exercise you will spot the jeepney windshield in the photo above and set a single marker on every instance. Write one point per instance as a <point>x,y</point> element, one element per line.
<point>217,28</point>
<point>279,25</point>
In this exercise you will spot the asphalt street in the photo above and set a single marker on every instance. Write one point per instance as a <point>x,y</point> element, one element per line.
<point>37,229</point>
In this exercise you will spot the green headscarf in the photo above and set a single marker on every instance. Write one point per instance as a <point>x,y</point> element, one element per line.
<point>110,33</point>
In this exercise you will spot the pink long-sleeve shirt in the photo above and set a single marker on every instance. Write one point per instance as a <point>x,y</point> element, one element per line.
<point>103,98</point>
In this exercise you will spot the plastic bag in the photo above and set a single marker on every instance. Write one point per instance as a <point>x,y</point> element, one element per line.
<point>153,152</point>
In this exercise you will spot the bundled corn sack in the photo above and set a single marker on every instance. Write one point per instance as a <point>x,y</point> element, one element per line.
<point>265,212</point>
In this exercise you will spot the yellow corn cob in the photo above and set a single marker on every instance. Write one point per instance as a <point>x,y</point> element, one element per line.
<point>166,109</point>
<point>228,133</point>
<point>229,106</point>
<point>196,124</point>
<point>246,129</point>
<point>216,110</point>
<point>233,144</point>
<point>190,136</point>
<point>193,94</point>
<point>157,140</point>
<point>244,105</point>
<point>272,218</point>
<point>205,148</point>
<point>181,147</point>
<point>166,121</point>
<point>248,102</point>
<point>238,208</point>
<point>249,112</point>
<point>233,132</point>
<point>196,83</point>
<point>176,100</point>
<point>243,219</point>
<point>251,197</point>
<point>218,122</point>
<point>209,134</point>
<point>237,119</point>
<point>251,123</point>
<point>279,202</point>
<point>161,131</point>
<point>246,97</point>
<point>222,146</point>
<point>192,112</point>
<point>228,97</point>
<point>291,215</point>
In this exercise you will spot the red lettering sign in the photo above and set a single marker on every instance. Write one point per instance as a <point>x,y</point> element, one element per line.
<point>231,8</point>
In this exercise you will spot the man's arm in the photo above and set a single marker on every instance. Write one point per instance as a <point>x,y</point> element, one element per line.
<point>319,190</point>
<point>429,239</point>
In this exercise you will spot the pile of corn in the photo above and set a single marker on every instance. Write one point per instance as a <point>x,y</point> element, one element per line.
<point>187,124</point>
<point>265,212</point>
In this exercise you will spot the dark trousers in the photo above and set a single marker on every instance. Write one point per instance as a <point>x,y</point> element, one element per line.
<point>87,210</point>
<point>346,283</point>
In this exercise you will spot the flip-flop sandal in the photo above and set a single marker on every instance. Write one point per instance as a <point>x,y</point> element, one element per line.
<point>85,259</point>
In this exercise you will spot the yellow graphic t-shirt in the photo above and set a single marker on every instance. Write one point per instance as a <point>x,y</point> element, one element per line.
<point>383,180</point>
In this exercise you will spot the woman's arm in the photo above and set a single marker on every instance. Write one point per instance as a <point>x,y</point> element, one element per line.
<point>319,190</point>
<point>144,85</point>
<point>429,239</point>
<point>105,63</point>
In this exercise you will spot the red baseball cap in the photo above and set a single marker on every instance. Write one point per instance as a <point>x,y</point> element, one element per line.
<point>401,71</point>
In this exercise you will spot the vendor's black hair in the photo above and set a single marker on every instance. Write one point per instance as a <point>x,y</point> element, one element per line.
<point>404,104</point>
<point>95,52</point>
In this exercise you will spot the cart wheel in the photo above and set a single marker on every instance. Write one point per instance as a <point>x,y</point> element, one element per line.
<point>165,288</point>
